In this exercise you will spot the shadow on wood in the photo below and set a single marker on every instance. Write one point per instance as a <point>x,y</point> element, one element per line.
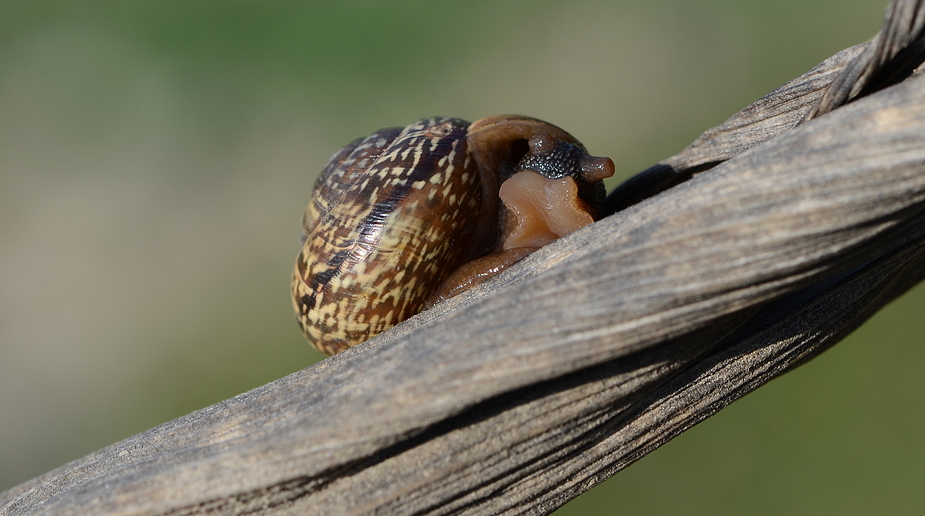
<point>532,388</point>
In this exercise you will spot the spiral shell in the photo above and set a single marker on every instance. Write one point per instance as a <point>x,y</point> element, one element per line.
<point>394,214</point>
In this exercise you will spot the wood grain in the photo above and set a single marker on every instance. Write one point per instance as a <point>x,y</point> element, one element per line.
<point>531,388</point>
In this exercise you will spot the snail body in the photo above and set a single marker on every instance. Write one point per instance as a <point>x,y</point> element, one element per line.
<point>392,215</point>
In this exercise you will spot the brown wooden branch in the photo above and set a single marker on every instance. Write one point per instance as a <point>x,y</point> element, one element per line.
<point>521,394</point>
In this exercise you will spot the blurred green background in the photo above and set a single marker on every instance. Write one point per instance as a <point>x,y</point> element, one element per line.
<point>155,159</point>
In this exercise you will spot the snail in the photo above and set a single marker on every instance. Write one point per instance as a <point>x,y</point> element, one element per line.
<point>404,218</point>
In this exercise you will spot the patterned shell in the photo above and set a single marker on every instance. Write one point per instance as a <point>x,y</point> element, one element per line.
<point>375,244</point>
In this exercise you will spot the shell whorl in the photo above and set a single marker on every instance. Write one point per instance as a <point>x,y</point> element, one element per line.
<point>391,216</point>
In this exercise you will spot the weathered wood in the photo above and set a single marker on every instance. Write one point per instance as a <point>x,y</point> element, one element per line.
<point>776,113</point>
<point>530,389</point>
<point>894,54</point>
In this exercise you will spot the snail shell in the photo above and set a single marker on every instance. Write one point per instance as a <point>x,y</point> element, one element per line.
<point>392,215</point>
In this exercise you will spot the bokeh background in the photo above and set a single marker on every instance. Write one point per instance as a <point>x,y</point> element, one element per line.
<point>156,156</point>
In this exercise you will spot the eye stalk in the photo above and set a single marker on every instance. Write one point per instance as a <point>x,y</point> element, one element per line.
<point>553,159</point>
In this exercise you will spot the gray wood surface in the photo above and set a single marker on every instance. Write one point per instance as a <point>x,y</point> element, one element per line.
<point>534,387</point>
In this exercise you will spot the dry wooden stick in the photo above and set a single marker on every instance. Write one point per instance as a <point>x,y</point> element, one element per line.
<point>530,389</point>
